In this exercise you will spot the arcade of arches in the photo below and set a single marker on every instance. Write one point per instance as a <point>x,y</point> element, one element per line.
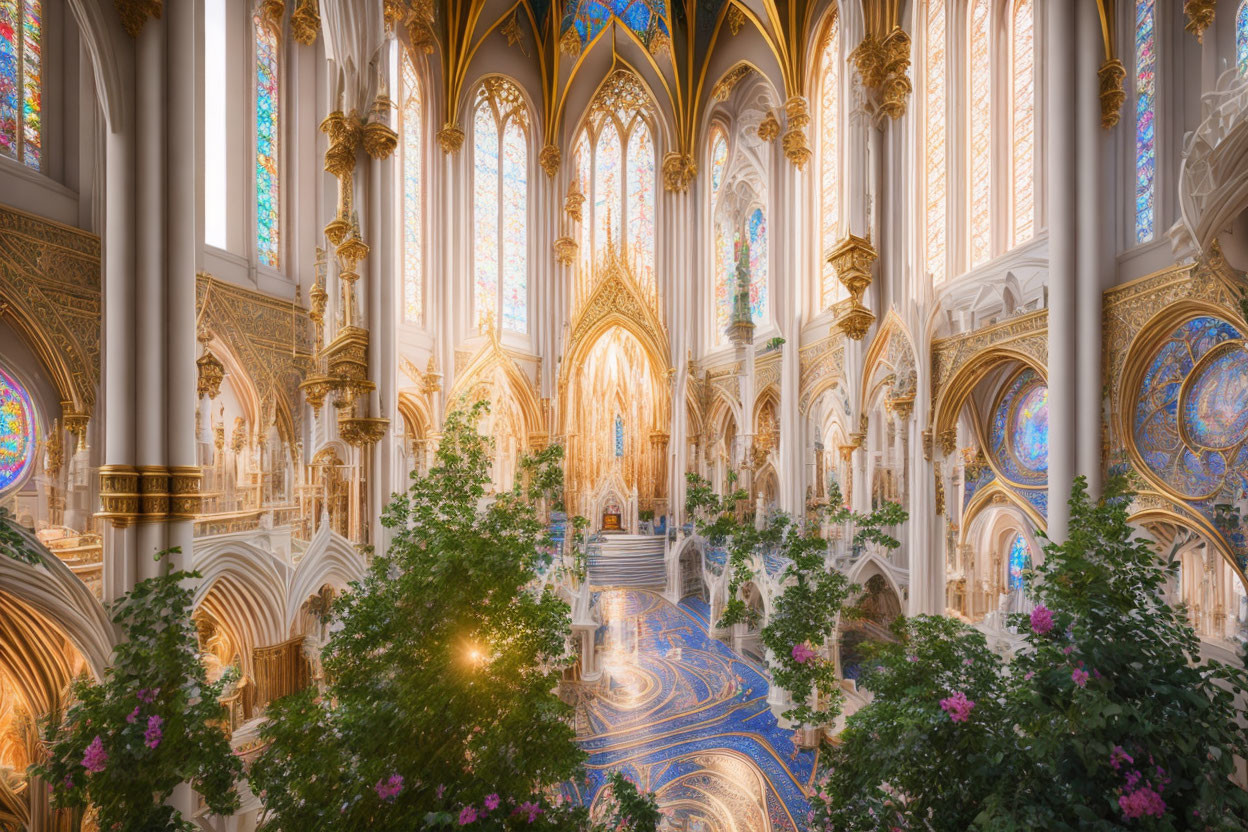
<point>949,253</point>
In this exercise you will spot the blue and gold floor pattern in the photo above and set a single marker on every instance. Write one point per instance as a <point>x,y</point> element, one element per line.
<point>687,718</point>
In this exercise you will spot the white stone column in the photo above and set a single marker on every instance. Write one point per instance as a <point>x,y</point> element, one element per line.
<point>151,300</point>
<point>182,199</point>
<point>794,266</point>
<point>1063,222</point>
<point>1093,232</point>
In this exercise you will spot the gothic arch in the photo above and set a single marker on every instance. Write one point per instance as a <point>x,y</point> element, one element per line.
<point>491,362</point>
<point>949,400</point>
<point>892,349</point>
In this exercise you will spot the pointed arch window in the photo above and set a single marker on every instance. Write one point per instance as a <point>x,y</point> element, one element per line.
<point>1241,38</point>
<point>1020,561</point>
<point>500,206</point>
<point>719,157</point>
<point>21,81</point>
<point>413,195</point>
<point>1145,119</point>
<point>616,155</point>
<point>756,229</point>
<point>979,108</point>
<point>268,143</point>
<point>830,157</point>
<point>727,241</point>
<point>935,161</point>
<point>1023,132</point>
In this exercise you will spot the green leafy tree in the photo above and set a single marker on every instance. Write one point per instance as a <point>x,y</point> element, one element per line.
<point>153,723</point>
<point>806,614</point>
<point>1109,718</point>
<point>440,707</point>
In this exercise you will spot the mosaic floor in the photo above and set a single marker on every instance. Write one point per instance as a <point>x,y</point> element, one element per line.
<point>687,718</point>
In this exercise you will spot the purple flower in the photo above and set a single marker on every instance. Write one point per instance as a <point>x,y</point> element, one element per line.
<point>94,758</point>
<point>957,706</point>
<point>912,658</point>
<point>802,653</point>
<point>1042,620</point>
<point>467,815</point>
<point>441,790</point>
<point>1141,802</point>
<point>1068,649</point>
<point>133,715</point>
<point>1028,675</point>
<point>1079,676</point>
<point>491,802</point>
<point>148,695</point>
<point>968,662</point>
<point>530,808</point>
<point>388,790</point>
<point>153,735</point>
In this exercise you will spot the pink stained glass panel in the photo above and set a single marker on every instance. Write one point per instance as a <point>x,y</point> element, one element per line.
<point>584,163</point>
<point>17,431</point>
<point>413,207</point>
<point>641,202</point>
<point>725,277</point>
<point>515,276</point>
<point>829,158</point>
<point>10,76</point>
<point>485,211</point>
<point>1145,116</point>
<point>719,158</point>
<point>1023,137</point>
<point>980,160</point>
<point>756,226</point>
<point>935,163</point>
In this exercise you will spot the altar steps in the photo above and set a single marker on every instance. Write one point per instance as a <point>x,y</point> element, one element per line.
<point>633,560</point>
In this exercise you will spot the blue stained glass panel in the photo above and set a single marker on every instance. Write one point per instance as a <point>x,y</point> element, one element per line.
<point>268,112</point>
<point>619,435</point>
<point>647,19</point>
<point>1241,38</point>
<point>756,229</point>
<point>17,431</point>
<point>1145,118</point>
<point>719,159</point>
<point>1020,558</point>
<point>1018,434</point>
<point>21,81</point>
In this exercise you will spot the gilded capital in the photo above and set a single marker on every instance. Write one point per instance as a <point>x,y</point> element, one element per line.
<point>134,13</point>
<point>679,169</point>
<point>1199,17</point>
<point>769,128</point>
<point>450,138</point>
<point>798,117</point>
<point>549,159</point>
<point>305,22</point>
<point>1111,75</point>
<point>565,250</point>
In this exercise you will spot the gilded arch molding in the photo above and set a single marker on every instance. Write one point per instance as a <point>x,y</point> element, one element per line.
<point>50,293</point>
<point>480,370</point>
<point>960,362</point>
<point>892,348</point>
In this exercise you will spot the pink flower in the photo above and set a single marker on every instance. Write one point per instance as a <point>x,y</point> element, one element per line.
<point>94,758</point>
<point>957,706</point>
<point>441,790</point>
<point>153,735</point>
<point>133,715</point>
<point>802,653</point>
<point>1068,649</point>
<point>968,662</point>
<point>467,815</point>
<point>388,790</point>
<point>1028,675</point>
<point>530,808</point>
<point>148,695</point>
<point>491,802</point>
<point>1118,756</point>
<point>912,658</point>
<point>1079,677</point>
<point>1141,802</point>
<point>1042,620</point>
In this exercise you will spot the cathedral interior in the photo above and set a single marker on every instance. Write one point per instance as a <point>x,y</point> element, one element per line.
<point>946,253</point>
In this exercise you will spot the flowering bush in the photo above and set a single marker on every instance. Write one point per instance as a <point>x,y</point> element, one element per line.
<point>152,723</point>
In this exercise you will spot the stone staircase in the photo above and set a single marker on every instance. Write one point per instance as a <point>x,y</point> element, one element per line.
<point>634,560</point>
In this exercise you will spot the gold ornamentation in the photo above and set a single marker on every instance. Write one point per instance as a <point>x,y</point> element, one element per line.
<point>794,141</point>
<point>55,448</point>
<point>347,361</point>
<point>1111,75</point>
<point>450,138</point>
<point>724,87</point>
<point>900,406</point>
<point>574,202</point>
<point>948,440</point>
<point>211,370</point>
<point>184,491</point>
<point>305,22</point>
<point>380,140</point>
<point>869,59</point>
<point>153,493</point>
<point>769,128</point>
<point>549,159</point>
<point>1199,17</point>
<point>50,291</point>
<point>511,29</point>
<point>420,26</point>
<point>852,260</point>
<point>359,431</point>
<point>735,19</point>
<point>119,494</point>
<point>134,13</point>
<point>679,169</point>
<point>883,65</point>
<point>570,43</point>
<point>565,250</point>
<point>272,12</point>
<point>315,388</point>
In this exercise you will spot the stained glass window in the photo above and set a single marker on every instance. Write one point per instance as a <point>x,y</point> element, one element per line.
<point>641,202</point>
<point>500,206</point>
<point>413,207</point>
<point>268,145</point>
<point>756,228</point>
<point>1020,560</point>
<point>21,81</point>
<point>980,148</point>
<point>1241,38</point>
<point>1023,135</point>
<point>619,435</point>
<point>584,164</point>
<point>1145,116</point>
<point>726,241</point>
<point>935,201</point>
<point>17,431</point>
<point>719,158</point>
<point>583,20</point>
<point>829,156</point>
<point>607,163</point>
